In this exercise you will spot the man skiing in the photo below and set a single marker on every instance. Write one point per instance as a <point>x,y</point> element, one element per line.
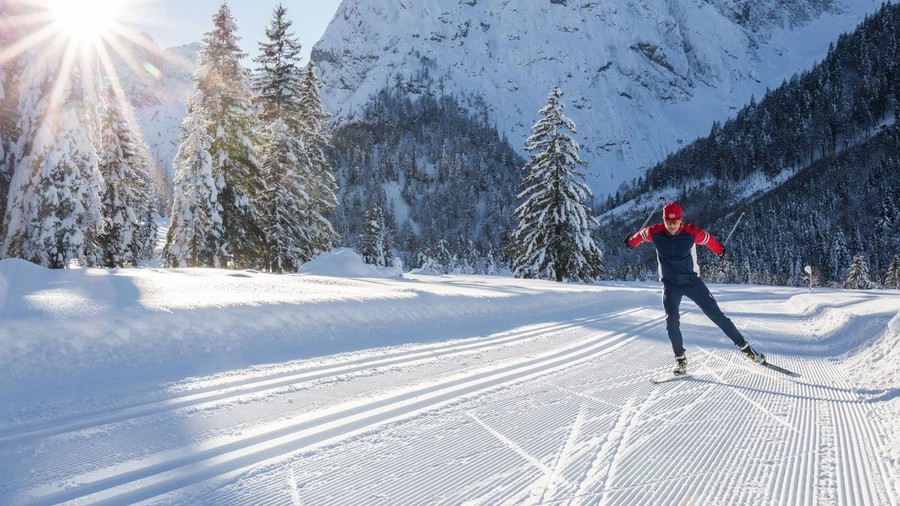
<point>676,251</point>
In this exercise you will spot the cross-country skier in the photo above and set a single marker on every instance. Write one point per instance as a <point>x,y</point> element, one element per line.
<point>676,251</point>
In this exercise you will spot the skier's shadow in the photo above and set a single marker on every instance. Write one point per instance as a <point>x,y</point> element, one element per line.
<point>839,394</point>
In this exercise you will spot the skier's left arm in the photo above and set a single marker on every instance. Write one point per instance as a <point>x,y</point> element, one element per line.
<point>704,238</point>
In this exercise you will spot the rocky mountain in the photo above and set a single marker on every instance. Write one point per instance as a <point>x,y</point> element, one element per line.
<point>812,167</point>
<point>157,82</point>
<point>425,92</point>
<point>641,77</point>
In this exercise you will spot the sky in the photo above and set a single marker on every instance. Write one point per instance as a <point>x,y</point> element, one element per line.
<point>179,22</point>
<point>346,384</point>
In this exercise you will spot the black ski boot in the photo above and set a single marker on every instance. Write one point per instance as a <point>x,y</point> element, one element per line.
<point>752,355</point>
<point>680,366</point>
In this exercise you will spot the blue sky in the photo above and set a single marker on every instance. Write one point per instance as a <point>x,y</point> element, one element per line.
<point>177,22</point>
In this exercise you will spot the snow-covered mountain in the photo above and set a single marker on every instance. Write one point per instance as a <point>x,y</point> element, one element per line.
<point>157,82</point>
<point>641,77</point>
<point>161,115</point>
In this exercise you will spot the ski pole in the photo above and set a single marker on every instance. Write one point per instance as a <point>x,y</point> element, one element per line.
<point>651,213</point>
<point>734,228</point>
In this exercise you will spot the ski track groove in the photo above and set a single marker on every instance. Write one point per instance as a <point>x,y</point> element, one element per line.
<point>94,454</point>
<point>710,464</point>
<point>290,378</point>
<point>161,477</point>
<point>863,480</point>
<point>801,441</point>
<point>537,464</point>
<point>495,487</point>
<point>543,447</point>
<point>476,440</point>
<point>857,435</point>
<point>507,487</point>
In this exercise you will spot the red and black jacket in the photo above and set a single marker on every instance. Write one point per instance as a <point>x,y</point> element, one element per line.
<point>677,254</point>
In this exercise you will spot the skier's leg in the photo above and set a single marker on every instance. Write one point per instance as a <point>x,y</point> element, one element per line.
<point>703,298</point>
<point>671,302</point>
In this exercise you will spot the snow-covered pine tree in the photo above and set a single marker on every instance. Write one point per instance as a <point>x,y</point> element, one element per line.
<point>195,232</point>
<point>5,123</point>
<point>374,242</point>
<point>322,185</point>
<point>278,77</point>
<point>892,279</point>
<point>224,98</point>
<point>22,71</point>
<point>491,267</point>
<point>6,126</point>
<point>53,214</point>
<point>20,115</point>
<point>127,196</point>
<point>858,274</point>
<point>286,205</point>
<point>834,243</point>
<point>287,209</point>
<point>552,239</point>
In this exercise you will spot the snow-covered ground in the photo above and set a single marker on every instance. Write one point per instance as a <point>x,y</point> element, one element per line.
<point>343,385</point>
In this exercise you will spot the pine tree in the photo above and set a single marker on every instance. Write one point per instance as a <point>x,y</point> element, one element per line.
<point>296,230</point>
<point>322,185</point>
<point>196,230</point>
<point>277,82</point>
<point>223,97</point>
<point>553,236</point>
<point>5,124</point>
<point>127,194</point>
<point>858,274</point>
<point>287,204</point>
<point>892,279</point>
<point>374,241</point>
<point>53,216</point>
<point>838,252</point>
<point>20,123</point>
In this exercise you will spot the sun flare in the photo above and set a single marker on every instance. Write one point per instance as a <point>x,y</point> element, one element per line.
<point>85,21</point>
<point>81,52</point>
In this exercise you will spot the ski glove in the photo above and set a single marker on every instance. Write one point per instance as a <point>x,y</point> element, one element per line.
<point>627,242</point>
<point>722,254</point>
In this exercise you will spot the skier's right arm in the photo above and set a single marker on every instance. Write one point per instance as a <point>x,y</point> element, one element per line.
<point>642,236</point>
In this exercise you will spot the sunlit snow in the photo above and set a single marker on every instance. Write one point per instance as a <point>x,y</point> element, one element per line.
<point>346,384</point>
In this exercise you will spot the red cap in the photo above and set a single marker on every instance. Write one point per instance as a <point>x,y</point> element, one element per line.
<point>672,211</point>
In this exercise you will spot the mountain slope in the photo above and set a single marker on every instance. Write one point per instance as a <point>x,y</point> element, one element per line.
<point>813,164</point>
<point>641,78</point>
<point>158,82</point>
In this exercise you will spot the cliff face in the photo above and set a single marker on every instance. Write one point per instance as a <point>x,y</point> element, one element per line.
<point>640,78</point>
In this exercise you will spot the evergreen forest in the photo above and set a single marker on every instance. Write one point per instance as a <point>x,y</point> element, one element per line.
<point>443,178</point>
<point>830,134</point>
<point>811,171</point>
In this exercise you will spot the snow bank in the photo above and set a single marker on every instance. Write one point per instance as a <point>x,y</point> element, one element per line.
<point>342,262</point>
<point>92,326</point>
<point>876,364</point>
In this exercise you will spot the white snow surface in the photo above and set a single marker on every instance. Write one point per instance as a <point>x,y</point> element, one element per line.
<point>348,385</point>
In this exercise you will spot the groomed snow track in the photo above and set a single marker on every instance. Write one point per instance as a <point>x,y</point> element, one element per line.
<point>555,413</point>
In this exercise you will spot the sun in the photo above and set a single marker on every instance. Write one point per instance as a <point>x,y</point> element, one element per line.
<point>85,22</point>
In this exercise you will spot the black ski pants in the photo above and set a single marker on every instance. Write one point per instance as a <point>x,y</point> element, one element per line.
<point>699,293</point>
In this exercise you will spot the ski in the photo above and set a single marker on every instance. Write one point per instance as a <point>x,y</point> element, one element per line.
<point>780,369</point>
<point>666,379</point>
